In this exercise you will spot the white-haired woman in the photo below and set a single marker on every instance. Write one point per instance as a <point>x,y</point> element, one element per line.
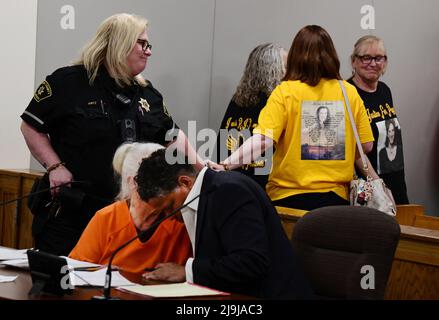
<point>119,222</point>
<point>369,62</point>
<point>263,72</point>
<point>81,113</point>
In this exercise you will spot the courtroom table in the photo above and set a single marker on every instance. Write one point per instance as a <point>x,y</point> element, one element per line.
<point>18,290</point>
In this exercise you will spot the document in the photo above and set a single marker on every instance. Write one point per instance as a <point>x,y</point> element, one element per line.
<point>173,290</point>
<point>11,254</point>
<point>16,263</point>
<point>18,259</point>
<point>81,265</point>
<point>7,278</point>
<point>97,278</point>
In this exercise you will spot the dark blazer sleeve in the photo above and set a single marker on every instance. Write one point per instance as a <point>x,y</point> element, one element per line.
<point>233,242</point>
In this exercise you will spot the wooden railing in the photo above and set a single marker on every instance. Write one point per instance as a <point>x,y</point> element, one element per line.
<point>15,218</point>
<point>414,215</point>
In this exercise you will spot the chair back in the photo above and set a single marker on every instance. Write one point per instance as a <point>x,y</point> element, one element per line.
<point>346,252</point>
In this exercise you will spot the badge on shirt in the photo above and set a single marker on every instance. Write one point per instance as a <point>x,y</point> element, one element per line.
<point>44,91</point>
<point>144,105</point>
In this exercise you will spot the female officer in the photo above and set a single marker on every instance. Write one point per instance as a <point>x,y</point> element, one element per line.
<point>78,117</point>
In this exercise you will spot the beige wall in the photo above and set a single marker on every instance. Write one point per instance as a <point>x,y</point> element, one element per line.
<point>17,64</point>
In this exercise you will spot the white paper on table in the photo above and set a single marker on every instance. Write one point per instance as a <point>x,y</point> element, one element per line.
<point>10,254</point>
<point>75,264</point>
<point>7,278</point>
<point>17,263</point>
<point>184,289</point>
<point>24,263</point>
<point>97,278</point>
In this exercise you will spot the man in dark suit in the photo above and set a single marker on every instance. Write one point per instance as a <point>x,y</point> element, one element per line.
<point>238,240</point>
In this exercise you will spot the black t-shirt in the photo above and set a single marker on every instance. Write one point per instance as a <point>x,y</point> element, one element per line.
<point>237,125</point>
<point>387,154</point>
<point>83,122</point>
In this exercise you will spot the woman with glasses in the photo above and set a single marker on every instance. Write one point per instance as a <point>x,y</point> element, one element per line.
<point>78,117</point>
<point>369,63</point>
<point>308,174</point>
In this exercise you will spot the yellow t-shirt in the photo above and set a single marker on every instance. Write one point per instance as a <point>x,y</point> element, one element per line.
<point>314,141</point>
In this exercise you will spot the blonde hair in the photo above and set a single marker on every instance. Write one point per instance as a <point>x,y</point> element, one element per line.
<point>126,162</point>
<point>114,40</point>
<point>365,41</point>
<point>263,72</point>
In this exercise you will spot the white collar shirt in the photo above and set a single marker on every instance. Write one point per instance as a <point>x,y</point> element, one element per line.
<point>189,215</point>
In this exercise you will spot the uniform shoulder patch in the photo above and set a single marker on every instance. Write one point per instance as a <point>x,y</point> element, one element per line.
<point>43,91</point>
<point>165,110</point>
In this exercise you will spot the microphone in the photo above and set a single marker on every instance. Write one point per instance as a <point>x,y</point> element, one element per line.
<point>43,190</point>
<point>107,285</point>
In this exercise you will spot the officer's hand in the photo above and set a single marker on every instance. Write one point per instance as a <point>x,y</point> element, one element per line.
<point>58,177</point>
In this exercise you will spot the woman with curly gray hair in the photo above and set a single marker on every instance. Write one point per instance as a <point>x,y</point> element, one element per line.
<point>263,72</point>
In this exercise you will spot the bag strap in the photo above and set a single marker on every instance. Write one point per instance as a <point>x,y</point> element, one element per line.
<point>354,127</point>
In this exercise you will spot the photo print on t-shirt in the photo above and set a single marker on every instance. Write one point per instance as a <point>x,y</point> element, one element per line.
<point>389,146</point>
<point>323,130</point>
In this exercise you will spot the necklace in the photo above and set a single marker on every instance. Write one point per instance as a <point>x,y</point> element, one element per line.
<point>391,153</point>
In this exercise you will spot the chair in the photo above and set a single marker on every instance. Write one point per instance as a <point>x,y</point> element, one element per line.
<point>346,252</point>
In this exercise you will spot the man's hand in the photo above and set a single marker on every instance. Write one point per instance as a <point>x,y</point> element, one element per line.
<point>171,272</point>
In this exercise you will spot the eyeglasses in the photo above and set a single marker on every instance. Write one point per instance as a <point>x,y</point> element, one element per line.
<point>366,59</point>
<point>145,44</point>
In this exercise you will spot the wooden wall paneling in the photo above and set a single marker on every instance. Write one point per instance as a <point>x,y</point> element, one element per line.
<point>25,239</point>
<point>412,281</point>
<point>15,218</point>
<point>415,269</point>
<point>428,222</point>
<point>9,190</point>
<point>406,213</point>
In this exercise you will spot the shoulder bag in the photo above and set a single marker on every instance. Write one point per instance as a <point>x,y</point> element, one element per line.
<point>368,193</point>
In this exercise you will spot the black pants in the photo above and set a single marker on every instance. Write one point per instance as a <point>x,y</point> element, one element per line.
<point>58,237</point>
<point>310,201</point>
